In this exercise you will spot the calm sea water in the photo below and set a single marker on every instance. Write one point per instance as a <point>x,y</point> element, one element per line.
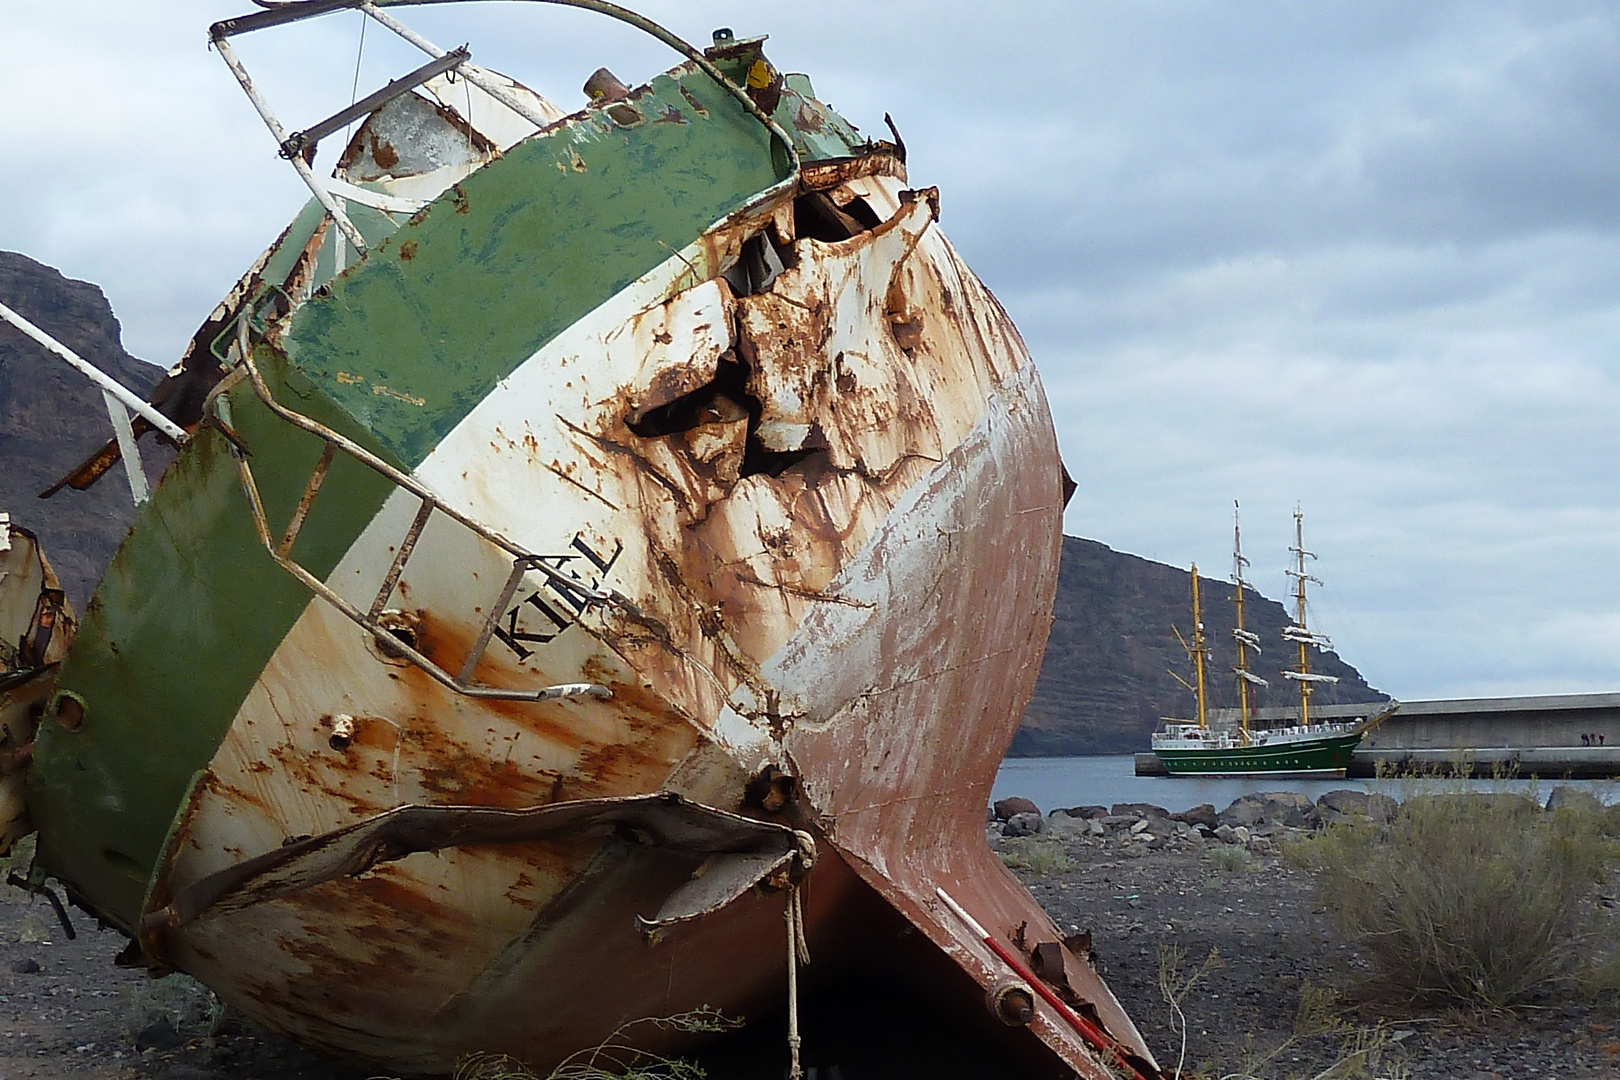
<point>1104,781</point>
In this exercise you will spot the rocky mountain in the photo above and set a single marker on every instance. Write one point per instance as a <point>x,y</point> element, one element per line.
<point>1106,678</point>
<point>52,418</point>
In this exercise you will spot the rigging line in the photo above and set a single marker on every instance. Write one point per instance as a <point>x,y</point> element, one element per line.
<point>354,89</point>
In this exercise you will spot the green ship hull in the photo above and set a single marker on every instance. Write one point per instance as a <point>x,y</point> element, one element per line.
<point>1325,756</point>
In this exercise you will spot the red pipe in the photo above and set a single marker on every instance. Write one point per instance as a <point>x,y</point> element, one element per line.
<point>1095,1037</point>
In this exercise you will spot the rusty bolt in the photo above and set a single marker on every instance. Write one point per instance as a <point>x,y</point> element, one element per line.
<point>342,731</point>
<point>604,86</point>
<point>1013,1004</point>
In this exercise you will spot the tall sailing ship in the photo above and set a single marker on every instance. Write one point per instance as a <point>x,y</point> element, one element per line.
<point>1195,748</point>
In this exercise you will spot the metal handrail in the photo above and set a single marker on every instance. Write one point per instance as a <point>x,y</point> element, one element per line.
<point>280,14</point>
<point>522,560</point>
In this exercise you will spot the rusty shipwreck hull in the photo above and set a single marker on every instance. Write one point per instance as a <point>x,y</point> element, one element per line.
<point>598,535</point>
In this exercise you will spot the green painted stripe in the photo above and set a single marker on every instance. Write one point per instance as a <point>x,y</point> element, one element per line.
<point>180,627</point>
<point>483,278</point>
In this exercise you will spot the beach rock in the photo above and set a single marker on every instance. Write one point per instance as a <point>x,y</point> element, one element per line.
<point>1278,807</point>
<point>1245,810</point>
<point>1025,824</point>
<point>1226,834</point>
<point>1118,821</point>
<point>1006,808</point>
<point>1202,814</point>
<point>1139,809</point>
<point>1343,804</point>
<point>1140,827</point>
<point>1095,827</point>
<point>160,1034</point>
<point>1087,812</point>
<point>1289,808</point>
<point>1568,798</point>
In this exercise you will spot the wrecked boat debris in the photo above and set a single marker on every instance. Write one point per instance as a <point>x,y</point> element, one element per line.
<point>599,541</point>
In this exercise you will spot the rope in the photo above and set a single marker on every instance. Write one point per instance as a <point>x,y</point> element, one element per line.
<point>793,948</point>
<point>798,942</point>
<point>354,91</point>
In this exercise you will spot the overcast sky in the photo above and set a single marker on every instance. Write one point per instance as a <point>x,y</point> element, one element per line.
<point>1362,256</point>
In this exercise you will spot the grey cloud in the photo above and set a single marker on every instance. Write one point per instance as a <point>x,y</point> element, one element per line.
<point>1357,254</point>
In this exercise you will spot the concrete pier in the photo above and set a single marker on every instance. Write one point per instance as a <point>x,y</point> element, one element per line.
<point>1528,736</point>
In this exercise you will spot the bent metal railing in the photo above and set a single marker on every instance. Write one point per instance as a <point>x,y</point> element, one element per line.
<point>388,640</point>
<point>298,147</point>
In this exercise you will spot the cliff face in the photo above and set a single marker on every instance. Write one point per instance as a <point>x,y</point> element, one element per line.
<point>51,418</point>
<point>1106,678</point>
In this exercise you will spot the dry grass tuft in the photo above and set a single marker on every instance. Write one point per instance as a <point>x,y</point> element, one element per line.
<point>615,1058</point>
<point>1230,857</point>
<point>1037,855</point>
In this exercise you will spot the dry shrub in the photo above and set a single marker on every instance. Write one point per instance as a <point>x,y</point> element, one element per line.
<point>1364,1053</point>
<point>1037,856</point>
<point>1465,899</point>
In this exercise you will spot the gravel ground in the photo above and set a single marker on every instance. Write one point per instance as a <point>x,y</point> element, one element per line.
<point>1259,914</point>
<point>66,1011</point>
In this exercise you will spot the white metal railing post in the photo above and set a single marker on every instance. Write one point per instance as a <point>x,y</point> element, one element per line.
<point>134,469</point>
<point>118,398</point>
<point>301,166</point>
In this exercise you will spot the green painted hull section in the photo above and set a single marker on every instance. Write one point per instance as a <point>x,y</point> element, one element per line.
<point>479,281</point>
<point>395,353</point>
<point>178,631</point>
<point>1318,755</point>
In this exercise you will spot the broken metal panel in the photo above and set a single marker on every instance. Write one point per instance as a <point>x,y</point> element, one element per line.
<point>661,820</point>
<point>36,628</point>
<point>411,136</point>
<point>679,345</point>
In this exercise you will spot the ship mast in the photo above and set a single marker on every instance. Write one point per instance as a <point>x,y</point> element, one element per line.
<point>1196,652</point>
<point>1245,640</point>
<point>1199,650</point>
<point>1300,633</point>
